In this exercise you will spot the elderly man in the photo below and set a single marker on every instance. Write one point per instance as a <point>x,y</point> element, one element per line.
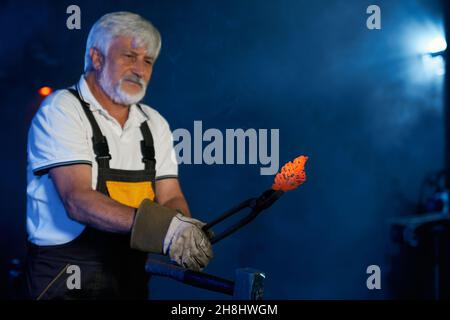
<point>102,177</point>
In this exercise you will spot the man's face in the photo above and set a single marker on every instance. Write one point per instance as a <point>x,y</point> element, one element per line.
<point>126,71</point>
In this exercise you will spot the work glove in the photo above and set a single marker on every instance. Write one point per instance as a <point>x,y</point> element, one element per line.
<point>158,229</point>
<point>187,244</point>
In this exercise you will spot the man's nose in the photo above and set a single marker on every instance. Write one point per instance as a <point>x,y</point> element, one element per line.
<point>139,68</point>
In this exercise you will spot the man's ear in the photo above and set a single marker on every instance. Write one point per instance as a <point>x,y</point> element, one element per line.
<point>96,58</point>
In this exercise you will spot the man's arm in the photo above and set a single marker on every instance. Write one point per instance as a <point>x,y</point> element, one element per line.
<point>169,194</point>
<point>186,243</point>
<point>88,206</point>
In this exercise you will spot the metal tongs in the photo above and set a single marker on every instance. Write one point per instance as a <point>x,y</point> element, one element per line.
<point>290,177</point>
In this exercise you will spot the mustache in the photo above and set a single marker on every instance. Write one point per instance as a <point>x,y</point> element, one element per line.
<point>136,79</point>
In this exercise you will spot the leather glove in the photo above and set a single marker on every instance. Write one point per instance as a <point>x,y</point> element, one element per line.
<point>159,229</point>
<point>187,244</point>
<point>150,226</point>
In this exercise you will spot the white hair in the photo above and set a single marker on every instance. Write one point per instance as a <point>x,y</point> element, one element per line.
<point>121,23</point>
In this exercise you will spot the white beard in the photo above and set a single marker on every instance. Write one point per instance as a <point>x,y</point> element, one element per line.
<point>116,93</point>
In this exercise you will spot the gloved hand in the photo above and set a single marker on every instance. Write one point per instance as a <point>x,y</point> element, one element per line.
<point>187,244</point>
<point>159,229</point>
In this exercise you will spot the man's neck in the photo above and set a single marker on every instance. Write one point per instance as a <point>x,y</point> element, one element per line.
<point>118,111</point>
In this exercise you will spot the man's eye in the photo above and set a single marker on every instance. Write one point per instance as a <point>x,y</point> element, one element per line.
<point>149,62</point>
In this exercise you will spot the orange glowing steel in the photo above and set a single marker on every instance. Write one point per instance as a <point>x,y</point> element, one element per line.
<point>291,175</point>
<point>45,91</point>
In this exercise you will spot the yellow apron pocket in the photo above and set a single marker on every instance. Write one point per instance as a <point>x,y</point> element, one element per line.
<point>130,193</point>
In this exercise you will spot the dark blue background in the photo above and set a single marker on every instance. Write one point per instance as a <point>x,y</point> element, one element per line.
<point>356,101</point>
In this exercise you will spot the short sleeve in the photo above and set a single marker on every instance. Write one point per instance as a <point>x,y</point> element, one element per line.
<point>166,163</point>
<point>57,135</point>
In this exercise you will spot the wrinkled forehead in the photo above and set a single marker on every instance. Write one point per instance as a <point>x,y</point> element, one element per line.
<point>124,43</point>
<point>128,43</point>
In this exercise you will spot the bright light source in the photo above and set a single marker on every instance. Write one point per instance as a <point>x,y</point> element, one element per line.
<point>424,38</point>
<point>433,60</point>
<point>45,91</point>
<point>436,45</point>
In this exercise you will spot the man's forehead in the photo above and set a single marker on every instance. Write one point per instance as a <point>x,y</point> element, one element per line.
<point>128,43</point>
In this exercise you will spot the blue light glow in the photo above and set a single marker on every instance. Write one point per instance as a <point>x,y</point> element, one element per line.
<point>436,45</point>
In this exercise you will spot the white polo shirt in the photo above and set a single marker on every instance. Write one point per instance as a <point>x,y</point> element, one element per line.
<point>60,134</point>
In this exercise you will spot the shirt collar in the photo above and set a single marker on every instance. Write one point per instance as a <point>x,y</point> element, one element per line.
<point>136,116</point>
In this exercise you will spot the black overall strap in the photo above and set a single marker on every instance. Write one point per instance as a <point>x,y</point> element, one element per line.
<point>147,147</point>
<point>99,142</point>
